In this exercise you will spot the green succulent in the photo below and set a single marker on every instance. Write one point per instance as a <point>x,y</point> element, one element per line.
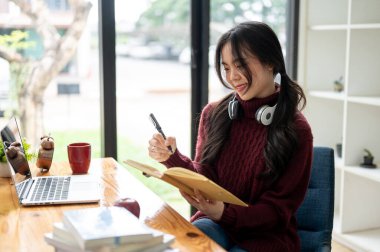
<point>368,153</point>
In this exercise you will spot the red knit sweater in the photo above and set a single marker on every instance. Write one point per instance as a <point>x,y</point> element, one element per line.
<point>269,223</point>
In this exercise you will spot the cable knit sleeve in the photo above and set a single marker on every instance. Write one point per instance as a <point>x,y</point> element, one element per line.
<point>276,206</point>
<point>179,160</point>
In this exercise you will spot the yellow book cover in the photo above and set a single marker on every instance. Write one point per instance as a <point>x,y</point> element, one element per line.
<point>187,181</point>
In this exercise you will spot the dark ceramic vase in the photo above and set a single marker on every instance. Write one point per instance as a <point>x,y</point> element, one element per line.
<point>339,150</point>
<point>368,160</point>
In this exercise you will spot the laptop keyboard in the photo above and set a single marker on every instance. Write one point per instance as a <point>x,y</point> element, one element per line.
<point>51,188</point>
<point>20,187</point>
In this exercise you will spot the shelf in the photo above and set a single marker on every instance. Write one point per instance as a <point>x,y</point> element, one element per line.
<point>337,27</point>
<point>341,27</point>
<point>345,41</point>
<point>364,26</point>
<point>328,95</point>
<point>375,101</point>
<point>368,173</point>
<point>368,240</point>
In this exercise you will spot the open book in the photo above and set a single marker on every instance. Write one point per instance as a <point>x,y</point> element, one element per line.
<point>187,181</point>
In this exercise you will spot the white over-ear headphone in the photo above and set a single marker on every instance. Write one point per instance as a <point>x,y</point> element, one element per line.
<point>233,108</point>
<point>264,114</point>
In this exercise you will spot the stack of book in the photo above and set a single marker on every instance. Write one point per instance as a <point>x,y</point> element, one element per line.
<point>105,229</point>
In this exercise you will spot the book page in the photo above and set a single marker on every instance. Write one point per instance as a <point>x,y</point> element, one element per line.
<point>144,168</point>
<point>187,180</point>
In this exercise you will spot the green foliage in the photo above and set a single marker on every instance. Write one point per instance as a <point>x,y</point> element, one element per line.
<point>2,153</point>
<point>172,18</point>
<point>30,155</point>
<point>368,153</point>
<point>16,40</point>
<point>162,12</point>
<point>64,138</point>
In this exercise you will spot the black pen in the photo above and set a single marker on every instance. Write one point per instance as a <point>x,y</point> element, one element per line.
<point>158,127</point>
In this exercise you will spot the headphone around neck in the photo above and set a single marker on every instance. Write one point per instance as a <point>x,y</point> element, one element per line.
<point>263,115</point>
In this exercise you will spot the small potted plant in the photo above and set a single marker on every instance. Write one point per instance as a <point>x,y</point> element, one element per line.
<point>368,159</point>
<point>338,84</point>
<point>339,150</point>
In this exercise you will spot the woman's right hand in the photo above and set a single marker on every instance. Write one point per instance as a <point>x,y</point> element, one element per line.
<point>158,147</point>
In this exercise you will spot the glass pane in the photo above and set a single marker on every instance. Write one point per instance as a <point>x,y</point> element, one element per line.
<point>54,89</point>
<point>152,37</point>
<point>225,14</point>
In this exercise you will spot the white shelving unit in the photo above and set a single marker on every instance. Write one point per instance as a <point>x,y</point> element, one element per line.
<point>342,38</point>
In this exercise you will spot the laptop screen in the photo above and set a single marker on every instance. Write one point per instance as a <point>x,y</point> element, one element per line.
<point>14,150</point>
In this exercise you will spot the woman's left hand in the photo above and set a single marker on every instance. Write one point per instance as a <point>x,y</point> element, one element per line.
<point>213,209</point>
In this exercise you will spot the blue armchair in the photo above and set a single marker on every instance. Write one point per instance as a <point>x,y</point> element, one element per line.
<point>315,215</point>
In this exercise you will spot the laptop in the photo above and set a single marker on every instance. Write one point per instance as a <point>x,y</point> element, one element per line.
<point>43,190</point>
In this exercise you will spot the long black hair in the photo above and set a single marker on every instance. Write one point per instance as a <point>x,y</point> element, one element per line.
<point>256,39</point>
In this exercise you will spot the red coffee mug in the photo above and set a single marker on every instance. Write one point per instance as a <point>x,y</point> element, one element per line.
<point>79,157</point>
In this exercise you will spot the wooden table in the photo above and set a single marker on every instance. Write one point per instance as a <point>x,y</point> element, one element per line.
<point>23,228</point>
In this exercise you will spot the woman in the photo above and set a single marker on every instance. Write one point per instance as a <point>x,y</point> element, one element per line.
<point>254,142</point>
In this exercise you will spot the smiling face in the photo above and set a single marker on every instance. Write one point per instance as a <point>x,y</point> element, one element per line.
<point>262,84</point>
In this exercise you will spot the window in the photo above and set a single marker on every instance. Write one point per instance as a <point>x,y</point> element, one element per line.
<point>57,5</point>
<point>225,14</point>
<point>61,106</point>
<point>151,37</point>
